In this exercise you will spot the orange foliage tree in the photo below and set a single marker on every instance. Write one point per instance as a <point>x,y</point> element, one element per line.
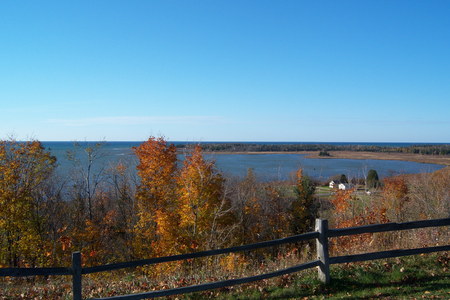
<point>346,214</point>
<point>394,197</point>
<point>157,211</point>
<point>341,201</point>
<point>97,237</point>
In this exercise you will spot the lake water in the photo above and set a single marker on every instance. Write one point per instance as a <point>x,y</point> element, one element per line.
<point>267,167</point>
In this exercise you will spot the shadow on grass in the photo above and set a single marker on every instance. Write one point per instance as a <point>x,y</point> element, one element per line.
<point>355,289</point>
<point>407,278</point>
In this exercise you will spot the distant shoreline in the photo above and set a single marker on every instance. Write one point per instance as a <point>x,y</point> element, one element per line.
<point>428,159</point>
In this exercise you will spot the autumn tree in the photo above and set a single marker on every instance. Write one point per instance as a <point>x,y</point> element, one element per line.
<point>98,236</point>
<point>394,197</point>
<point>247,207</point>
<point>348,212</point>
<point>302,208</point>
<point>202,206</point>
<point>24,168</point>
<point>275,209</point>
<point>157,211</point>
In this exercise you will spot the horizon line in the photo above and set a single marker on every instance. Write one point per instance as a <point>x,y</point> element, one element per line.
<point>225,141</point>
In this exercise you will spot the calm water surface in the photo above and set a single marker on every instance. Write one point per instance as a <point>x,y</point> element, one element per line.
<point>267,167</point>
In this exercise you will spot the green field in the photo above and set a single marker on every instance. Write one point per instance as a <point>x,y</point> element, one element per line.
<point>415,277</point>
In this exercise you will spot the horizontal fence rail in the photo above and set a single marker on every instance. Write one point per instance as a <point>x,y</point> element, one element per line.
<point>387,227</point>
<point>321,235</point>
<point>22,272</point>
<point>150,261</point>
<point>385,254</point>
<point>215,285</point>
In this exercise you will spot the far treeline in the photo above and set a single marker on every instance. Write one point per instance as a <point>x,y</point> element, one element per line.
<point>441,149</point>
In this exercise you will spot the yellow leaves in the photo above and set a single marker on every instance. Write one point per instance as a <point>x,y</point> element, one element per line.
<point>233,262</point>
<point>299,177</point>
<point>164,222</point>
<point>199,196</point>
<point>24,168</point>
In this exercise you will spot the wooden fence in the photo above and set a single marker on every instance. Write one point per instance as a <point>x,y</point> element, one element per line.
<point>322,233</point>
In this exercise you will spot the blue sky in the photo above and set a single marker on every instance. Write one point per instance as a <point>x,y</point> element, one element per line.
<point>336,71</point>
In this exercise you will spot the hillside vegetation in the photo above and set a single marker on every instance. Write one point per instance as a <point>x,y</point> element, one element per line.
<point>180,207</point>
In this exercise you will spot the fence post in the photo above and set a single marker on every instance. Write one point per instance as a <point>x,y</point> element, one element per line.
<point>322,250</point>
<point>76,276</point>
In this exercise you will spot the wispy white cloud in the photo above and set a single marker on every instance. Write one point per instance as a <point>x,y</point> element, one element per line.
<point>137,120</point>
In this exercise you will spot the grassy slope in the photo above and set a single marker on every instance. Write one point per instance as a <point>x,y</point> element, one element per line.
<point>406,278</point>
<point>426,276</point>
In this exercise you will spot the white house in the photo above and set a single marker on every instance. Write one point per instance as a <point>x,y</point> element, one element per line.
<point>344,186</point>
<point>332,184</point>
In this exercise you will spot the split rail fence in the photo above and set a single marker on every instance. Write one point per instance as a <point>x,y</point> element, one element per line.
<point>322,233</point>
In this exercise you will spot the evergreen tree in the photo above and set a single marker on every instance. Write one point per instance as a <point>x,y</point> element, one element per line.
<point>343,179</point>
<point>302,207</point>
<point>372,179</point>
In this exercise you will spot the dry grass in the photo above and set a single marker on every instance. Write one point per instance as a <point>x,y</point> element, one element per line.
<point>429,159</point>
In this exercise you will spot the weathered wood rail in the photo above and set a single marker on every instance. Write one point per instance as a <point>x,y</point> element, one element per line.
<point>322,234</point>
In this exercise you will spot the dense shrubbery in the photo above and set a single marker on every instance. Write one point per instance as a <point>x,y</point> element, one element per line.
<point>172,208</point>
<point>177,207</point>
